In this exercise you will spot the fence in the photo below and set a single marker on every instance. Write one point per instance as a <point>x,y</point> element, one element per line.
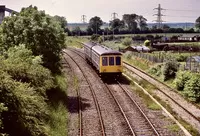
<point>155,59</point>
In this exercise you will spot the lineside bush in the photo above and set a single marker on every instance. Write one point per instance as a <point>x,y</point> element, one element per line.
<point>181,78</point>
<point>23,85</point>
<point>169,69</point>
<point>192,88</point>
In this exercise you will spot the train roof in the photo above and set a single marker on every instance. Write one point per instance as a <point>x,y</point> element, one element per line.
<point>89,44</point>
<point>102,50</point>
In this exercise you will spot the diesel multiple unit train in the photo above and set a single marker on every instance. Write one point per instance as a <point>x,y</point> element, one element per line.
<point>106,61</point>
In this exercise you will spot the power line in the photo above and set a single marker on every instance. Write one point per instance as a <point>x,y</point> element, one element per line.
<point>181,10</point>
<point>159,15</point>
<point>182,16</point>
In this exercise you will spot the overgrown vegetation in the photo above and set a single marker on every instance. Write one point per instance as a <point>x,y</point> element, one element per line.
<point>38,32</point>
<point>31,84</point>
<point>127,41</point>
<point>169,69</point>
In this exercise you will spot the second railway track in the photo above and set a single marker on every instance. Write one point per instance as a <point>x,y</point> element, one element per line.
<point>189,112</point>
<point>138,122</point>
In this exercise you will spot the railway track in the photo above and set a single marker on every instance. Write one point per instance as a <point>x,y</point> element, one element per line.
<point>145,127</point>
<point>162,88</point>
<point>79,103</point>
<point>186,132</point>
<point>95,101</point>
<point>138,122</point>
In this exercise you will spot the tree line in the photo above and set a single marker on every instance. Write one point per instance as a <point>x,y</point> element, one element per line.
<point>130,24</point>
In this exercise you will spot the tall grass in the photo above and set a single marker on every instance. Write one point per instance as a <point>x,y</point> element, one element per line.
<point>58,120</point>
<point>138,62</point>
<point>58,107</point>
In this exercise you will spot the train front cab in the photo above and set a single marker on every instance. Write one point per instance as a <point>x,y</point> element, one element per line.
<point>110,65</point>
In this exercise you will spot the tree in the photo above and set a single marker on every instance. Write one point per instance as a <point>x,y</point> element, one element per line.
<point>116,24</point>
<point>166,28</point>
<point>38,32</point>
<point>76,31</point>
<point>130,21</point>
<point>95,24</point>
<point>197,24</point>
<point>142,22</point>
<point>62,21</point>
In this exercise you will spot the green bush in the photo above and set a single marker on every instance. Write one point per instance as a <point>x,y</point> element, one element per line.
<point>192,88</point>
<point>100,39</point>
<point>169,69</point>
<point>127,41</point>
<point>95,37</point>
<point>156,70</point>
<point>181,78</point>
<point>23,84</point>
<point>181,58</point>
<point>24,67</point>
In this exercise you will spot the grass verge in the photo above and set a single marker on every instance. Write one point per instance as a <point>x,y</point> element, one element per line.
<point>58,107</point>
<point>152,105</point>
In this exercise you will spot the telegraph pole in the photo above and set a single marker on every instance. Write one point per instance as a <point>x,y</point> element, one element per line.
<point>159,15</point>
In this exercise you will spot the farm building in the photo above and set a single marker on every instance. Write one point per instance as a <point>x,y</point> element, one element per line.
<point>193,63</point>
<point>137,49</point>
<point>160,46</point>
<point>190,37</point>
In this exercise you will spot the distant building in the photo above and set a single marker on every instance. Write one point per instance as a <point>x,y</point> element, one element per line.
<point>190,37</point>
<point>137,49</point>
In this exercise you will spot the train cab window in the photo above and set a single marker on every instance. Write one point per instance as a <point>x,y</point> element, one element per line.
<point>104,61</point>
<point>118,60</point>
<point>111,61</point>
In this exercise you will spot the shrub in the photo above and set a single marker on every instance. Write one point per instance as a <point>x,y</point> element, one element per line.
<point>156,70</point>
<point>127,41</point>
<point>181,78</point>
<point>181,58</point>
<point>192,88</point>
<point>23,84</point>
<point>169,69</point>
<point>100,39</point>
<point>95,37</point>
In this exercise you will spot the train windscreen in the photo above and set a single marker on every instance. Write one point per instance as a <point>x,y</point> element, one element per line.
<point>104,61</point>
<point>111,61</point>
<point>118,60</point>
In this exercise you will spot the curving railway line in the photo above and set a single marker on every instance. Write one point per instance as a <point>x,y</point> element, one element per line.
<point>95,101</point>
<point>138,122</point>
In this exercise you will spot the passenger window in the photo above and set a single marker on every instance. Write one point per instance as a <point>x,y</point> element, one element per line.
<point>104,61</point>
<point>111,61</point>
<point>118,60</point>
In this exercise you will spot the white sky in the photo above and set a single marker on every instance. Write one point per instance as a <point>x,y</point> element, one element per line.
<point>73,9</point>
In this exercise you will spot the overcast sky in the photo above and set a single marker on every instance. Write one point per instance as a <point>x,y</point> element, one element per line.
<point>177,10</point>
